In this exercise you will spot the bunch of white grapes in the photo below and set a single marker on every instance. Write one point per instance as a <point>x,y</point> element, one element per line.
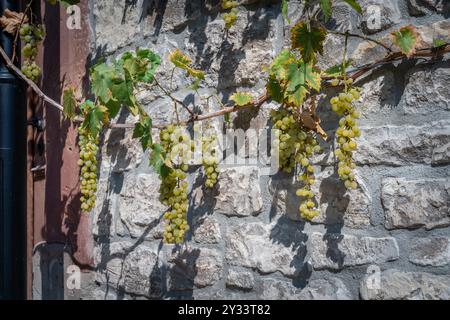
<point>346,133</point>
<point>296,146</point>
<point>177,144</point>
<point>88,164</point>
<point>31,36</point>
<point>230,17</point>
<point>210,160</point>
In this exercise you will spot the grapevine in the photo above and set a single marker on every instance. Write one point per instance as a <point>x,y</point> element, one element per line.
<point>296,146</point>
<point>177,145</point>
<point>88,140</point>
<point>293,81</point>
<point>347,132</point>
<point>88,162</point>
<point>210,159</point>
<point>31,35</point>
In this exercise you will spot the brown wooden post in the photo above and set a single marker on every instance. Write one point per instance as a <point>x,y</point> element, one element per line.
<point>54,210</point>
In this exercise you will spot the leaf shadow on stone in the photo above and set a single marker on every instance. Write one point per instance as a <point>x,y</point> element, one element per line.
<point>197,29</point>
<point>203,207</point>
<point>182,273</point>
<point>148,8</point>
<point>117,152</point>
<point>332,192</point>
<point>258,25</point>
<point>289,227</point>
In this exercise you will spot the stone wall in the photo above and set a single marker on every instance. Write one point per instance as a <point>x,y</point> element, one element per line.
<point>247,240</point>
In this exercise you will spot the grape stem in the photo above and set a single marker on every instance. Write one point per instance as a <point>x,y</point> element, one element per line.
<point>16,37</point>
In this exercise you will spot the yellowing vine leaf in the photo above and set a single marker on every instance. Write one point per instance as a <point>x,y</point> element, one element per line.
<point>10,21</point>
<point>229,4</point>
<point>94,117</point>
<point>242,98</point>
<point>298,96</point>
<point>69,103</point>
<point>301,77</point>
<point>180,60</point>
<point>280,63</point>
<point>308,39</point>
<point>407,39</point>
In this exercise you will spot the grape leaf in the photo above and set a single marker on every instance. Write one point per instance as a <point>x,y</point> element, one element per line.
<point>437,42</point>
<point>69,103</point>
<point>157,161</point>
<point>284,10</point>
<point>154,60</point>
<point>241,98</point>
<point>298,96</point>
<point>312,77</point>
<point>295,77</point>
<point>142,130</point>
<point>326,8</point>
<point>229,4</point>
<point>280,63</point>
<point>406,39</point>
<point>355,5</point>
<point>302,74</point>
<point>274,89</point>
<point>101,81</point>
<point>180,60</point>
<point>93,117</point>
<point>308,39</point>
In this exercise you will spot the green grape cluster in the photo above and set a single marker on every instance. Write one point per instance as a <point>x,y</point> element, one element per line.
<point>31,36</point>
<point>210,160</point>
<point>88,163</point>
<point>296,146</point>
<point>346,133</point>
<point>230,17</point>
<point>177,144</point>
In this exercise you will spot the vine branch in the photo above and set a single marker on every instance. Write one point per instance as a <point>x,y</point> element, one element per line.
<point>354,35</point>
<point>355,74</point>
<point>33,85</point>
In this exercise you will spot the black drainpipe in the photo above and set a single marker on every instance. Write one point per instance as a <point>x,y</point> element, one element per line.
<point>13,124</point>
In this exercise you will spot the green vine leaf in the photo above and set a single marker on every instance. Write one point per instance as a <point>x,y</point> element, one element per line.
<point>280,63</point>
<point>406,39</point>
<point>101,81</point>
<point>180,60</point>
<point>154,61</point>
<point>94,116</point>
<point>355,5</point>
<point>69,103</point>
<point>242,98</point>
<point>437,42</point>
<point>284,10</point>
<point>274,89</point>
<point>303,74</point>
<point>308,39</point>
<point>143,132</point>
<point>325,5</point>
<point>157,161</point>
<point>298,96</point>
